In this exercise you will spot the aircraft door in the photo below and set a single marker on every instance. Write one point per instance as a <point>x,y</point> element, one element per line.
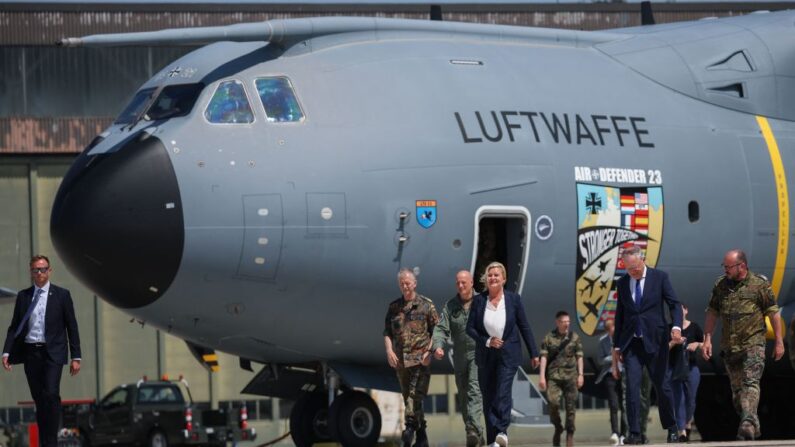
<point>502,234</point>
<point>262,238</point>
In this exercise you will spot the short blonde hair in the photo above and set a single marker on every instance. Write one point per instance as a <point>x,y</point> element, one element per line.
<point>493,265</point>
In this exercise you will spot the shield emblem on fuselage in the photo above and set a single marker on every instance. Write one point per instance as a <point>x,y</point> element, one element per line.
<point>426,213</point>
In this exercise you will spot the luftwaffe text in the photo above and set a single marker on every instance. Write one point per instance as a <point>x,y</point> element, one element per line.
<point>549,127</point>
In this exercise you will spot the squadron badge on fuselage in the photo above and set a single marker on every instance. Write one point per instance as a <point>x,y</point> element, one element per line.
<point>426,213</point>
<point>609,219</point>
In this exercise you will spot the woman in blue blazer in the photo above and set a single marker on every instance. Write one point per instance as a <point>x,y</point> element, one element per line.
<point>496,321</point>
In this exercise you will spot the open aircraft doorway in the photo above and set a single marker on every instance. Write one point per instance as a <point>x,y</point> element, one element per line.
<point>501,234</point>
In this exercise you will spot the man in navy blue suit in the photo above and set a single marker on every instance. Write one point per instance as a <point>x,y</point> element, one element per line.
<point>43,324</point>
<point>641,337</point>
<point>496,322</point>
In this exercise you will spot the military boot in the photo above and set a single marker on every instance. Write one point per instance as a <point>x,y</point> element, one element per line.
<point>408,436</point>
<point>556,437</point>
<point>473,439</point>
<point>422,437</point>
<point>746,432</point>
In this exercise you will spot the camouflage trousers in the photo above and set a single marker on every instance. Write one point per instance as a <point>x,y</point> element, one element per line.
<point>414,383</point>
<point>567,391</point>
<point>469,398</point>
<point>745,370</point>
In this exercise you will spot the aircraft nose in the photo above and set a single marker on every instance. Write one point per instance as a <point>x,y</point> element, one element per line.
<point>117,222</point>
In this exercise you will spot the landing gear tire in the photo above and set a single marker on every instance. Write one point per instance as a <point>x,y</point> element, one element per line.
<point>309,420</point>
<point>355,420</point>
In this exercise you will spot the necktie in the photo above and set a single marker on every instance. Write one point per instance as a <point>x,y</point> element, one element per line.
<point>638,296</point>
<point>28,313</point>
<point>638,293</point>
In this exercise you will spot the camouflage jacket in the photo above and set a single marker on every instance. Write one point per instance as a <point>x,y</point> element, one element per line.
<point>453,327</point>
<point>564,363</point>
<point>410,324</point>
<point>742,307</point>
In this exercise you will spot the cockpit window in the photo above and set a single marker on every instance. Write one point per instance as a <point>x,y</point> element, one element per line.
<point>136,106</point>
<point>279,100</point>
<point>229,105</point>
<point>174,100</point>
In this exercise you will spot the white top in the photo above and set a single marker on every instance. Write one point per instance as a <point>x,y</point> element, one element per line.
<point>36,322</point>
<point>494,318</point>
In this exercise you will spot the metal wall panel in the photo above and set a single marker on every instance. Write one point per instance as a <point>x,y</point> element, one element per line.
<point>48,135</point>
<point>43,24</point>
<point>94,82</point>
<point>14,230</point>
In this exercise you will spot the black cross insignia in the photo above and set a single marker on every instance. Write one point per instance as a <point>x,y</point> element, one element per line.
<point>593,202</point>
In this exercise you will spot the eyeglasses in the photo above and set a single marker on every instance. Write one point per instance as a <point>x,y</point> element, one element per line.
<point>40,270</point>
<point>729,267</point>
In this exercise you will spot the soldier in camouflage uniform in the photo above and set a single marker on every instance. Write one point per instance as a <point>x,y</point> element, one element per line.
<point>453,326</point>
<point>561,374</point>
<point>407,339</point>
<point>742,299</point>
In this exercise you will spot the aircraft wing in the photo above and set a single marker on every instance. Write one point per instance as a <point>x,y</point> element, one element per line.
<point>286,32</point>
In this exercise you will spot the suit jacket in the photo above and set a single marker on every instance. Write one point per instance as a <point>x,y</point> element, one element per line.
<point>657,294</point>
<point>515,325</point>
<point>60,326</point>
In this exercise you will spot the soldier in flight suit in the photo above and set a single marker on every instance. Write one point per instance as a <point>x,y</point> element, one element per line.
<point>453,326</point>
<point>742,299</point>
<point>407,339</point>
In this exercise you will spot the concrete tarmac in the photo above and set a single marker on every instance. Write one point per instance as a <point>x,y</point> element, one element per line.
<point>593,429</point>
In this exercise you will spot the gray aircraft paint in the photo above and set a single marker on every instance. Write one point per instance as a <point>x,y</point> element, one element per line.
<point>385,102</point>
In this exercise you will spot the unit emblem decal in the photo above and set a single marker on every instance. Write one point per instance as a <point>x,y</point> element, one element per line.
<point>609,219</point>
<point>426,213</point>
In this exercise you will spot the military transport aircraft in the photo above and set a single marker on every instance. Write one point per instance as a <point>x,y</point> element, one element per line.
<point>258,195</point>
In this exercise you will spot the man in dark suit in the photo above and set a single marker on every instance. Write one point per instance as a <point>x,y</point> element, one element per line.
<point>641,337</point>
<point>496,322</point>
<point>42,325</point>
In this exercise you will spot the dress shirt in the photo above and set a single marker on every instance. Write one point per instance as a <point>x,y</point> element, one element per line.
<point>494,318</point>
<point>36,325</point>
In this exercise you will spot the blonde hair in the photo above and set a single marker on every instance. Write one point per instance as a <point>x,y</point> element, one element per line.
<point>493,265</point>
